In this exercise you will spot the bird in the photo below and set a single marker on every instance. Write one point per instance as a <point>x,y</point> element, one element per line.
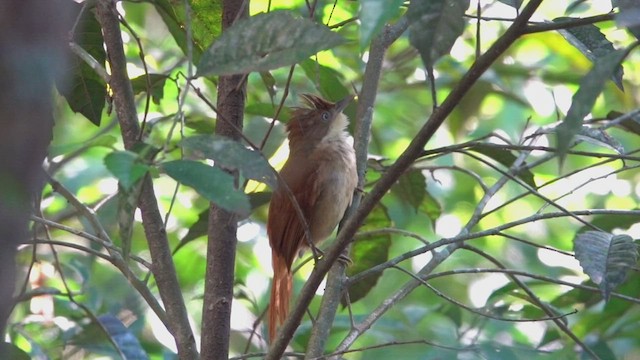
<point>321,176</point>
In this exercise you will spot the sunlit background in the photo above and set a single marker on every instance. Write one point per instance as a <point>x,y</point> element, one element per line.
<point>529,89</point>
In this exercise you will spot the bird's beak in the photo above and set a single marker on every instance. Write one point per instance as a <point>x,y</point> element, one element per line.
<point>342,104</point>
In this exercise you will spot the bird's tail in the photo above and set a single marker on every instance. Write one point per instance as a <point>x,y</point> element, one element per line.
<point>280,294</point>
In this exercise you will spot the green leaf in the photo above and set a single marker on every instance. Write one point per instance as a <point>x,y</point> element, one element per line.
<point>233,155</point>
<point>575,5</point>
<point>591,43</point>
<point>434,26</point>
<point>590,88</point>
<point>268,111</point>
<point>205,23</point>
<point>123,337</point>
<point>84,89</point>
<point>373,15</point>
<point>600,347</point>
<point>211,182</point>
<point>550,335</point>
<point>328,81</point>
<point>129,167</point>
<point>269,83</point>
<point>155,86</point>
<point>605,258</point>
<point>367,252</point>
<point>513,3</point>
<point>109,337</point>
<point>126,166</point>
<point>608,222</point>
<point>411,188</point>
<point>198,229</point>
<point>430,207</point>
<point>200,123</point>
<point>107,213</point>
<point>102,140</point>
<point>506,158</point>
<point>577,298</point>
<point>265,42</point>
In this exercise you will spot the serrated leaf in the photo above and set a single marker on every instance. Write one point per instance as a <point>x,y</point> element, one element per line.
<point>205,23</point>
<point>605,258</point>
<point>373,15</point>
<point>211,182</point>
<point>265,42</point>
<point>411,188</point>
<point>327,81</point>
<point>233,155</point>
<point>434,26</point>
<point>506,158</point>
<point>591,43</point>
<point>583,100</point>
<point>368,252</point>
<point>126,166</point>
<point>84,90</point>
<point>155,85</point>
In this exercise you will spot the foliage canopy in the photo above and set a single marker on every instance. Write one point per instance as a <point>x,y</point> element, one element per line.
<point>501,179</point>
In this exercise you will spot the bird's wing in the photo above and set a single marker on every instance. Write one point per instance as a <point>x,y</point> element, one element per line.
<point>286,231</point>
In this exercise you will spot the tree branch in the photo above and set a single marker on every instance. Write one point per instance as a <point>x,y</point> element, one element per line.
<point>536,28</point>
<point>163,267</point>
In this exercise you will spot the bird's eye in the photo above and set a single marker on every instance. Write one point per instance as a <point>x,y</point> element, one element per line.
<point>325,116</point>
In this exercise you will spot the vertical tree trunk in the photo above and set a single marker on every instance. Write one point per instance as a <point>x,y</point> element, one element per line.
<point>32,49</point>
<point>223,225</point>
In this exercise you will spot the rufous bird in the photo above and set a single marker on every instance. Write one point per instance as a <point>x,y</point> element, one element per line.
<point>321,174</point>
